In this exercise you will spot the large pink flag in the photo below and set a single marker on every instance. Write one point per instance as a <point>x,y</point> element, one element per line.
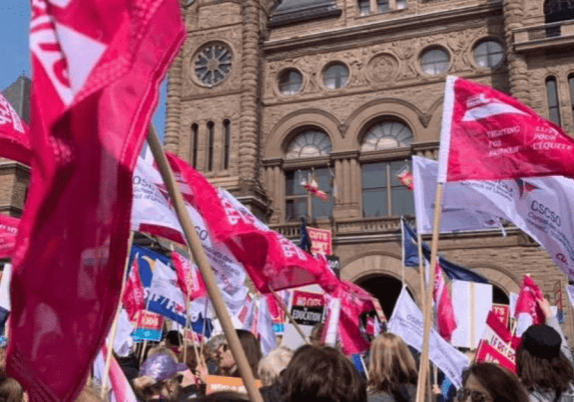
<point>97,65</point>
<point>14,134</point>
<point>8,233</point>
<point>488,135</point>
<point>271,260</point>
<point>445,318</point>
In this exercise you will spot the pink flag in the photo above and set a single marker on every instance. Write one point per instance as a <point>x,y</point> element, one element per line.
<point>271,260</point>
<point>134,293</point>
<point>189,279</point>
<point>8,233</point>
<point>14,134</point>
<point>445,318</point>
<point>527,311</point>
<point>488,135</point>
<point>97,67</point>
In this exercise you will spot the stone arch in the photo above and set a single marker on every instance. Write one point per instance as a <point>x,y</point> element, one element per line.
<point>399,109</point>
<point>368,265</point>
<point>306,117</point>
<point>500,277</point>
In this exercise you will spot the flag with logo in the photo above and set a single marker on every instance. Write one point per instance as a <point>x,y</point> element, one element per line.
<point>96,67</point>
<point>14,134</point>
<point>488,135</point>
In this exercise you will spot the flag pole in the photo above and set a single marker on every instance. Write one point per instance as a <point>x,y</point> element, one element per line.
<point>422,278</point>
<point>424,363</point>
<point>288,314</point>
<point>196,247</point>
<point>116,319</point>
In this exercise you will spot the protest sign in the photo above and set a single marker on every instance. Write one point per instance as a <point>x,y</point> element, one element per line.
<point>149,327</point>
<point>502,312</point>
<point>407,322</point>
<point>307,308</point>
<point>472,302</point>
<point>488,354</point>
<point>321,242</point>
<point>216,383</point>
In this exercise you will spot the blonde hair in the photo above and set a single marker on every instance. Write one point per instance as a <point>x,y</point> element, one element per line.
<point>161,349</point>
<point>390,364</point>
<point>146,388</point>
<point>273,364</point>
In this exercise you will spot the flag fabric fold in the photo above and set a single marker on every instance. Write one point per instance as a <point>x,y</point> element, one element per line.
<point>488,135</point>
<point>90,59</point>
<point>14,134</point>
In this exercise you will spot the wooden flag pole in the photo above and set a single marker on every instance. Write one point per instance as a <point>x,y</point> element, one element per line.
<point>116,319</point>
<point>424,364</point>
<point>199,256</point>
<point>288,314</point>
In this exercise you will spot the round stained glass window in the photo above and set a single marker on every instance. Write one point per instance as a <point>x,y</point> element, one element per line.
<point>212,63</point>
<point>387,134</point>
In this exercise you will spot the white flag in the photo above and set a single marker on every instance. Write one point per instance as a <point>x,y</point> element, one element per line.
<point>265,328</point>
<point>5,287</point>
<point>407,322</point>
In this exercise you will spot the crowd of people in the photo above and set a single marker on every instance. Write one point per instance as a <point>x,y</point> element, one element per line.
<point>319,373</point>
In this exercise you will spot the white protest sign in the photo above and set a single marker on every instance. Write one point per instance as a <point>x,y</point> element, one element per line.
<point>472,302</point>
<point>407,322</point>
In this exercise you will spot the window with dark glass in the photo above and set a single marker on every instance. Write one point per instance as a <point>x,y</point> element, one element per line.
<point>488,53</point>
<point>571,84</point>
<point>298,202</point>
<point>290,82</point>
<point>383,193</point>
<point>364,7</point>
<point>336,76</point>
<point>226,143</point>
<point>194,144</point>
<point>383,5</point>
<point>552,97</point>
<point>210,143</point>
<point>435,61</point>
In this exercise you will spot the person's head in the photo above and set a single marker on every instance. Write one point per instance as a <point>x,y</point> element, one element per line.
<point>488,382</point>
<point>90,393</point>
<point>173,339</point>
<point>10,389</point>
<point>160,378</point>
<point>322,374</point>
<point>252,350</point>
<point>157,350</point>
<point>539,362</point>
<point>391,363</point>
<point>273,364</point>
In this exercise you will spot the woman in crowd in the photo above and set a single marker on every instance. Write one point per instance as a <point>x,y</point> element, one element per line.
<point>160,379</point>
<point>270,372</point>
<point>250,344</point>
<point>488,382</point>
<point>321,374</point>
<point>544,361</point>
<point>10,389</point>
<point>392,370</point>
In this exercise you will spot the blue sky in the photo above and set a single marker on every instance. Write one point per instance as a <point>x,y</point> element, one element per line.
<point>14,56</point>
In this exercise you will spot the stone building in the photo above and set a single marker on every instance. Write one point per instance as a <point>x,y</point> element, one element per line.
<point>265,92</point>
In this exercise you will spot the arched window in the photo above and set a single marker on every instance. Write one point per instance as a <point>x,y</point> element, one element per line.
<point>553,103</point>
<point>226,143</point>
<point>210,141</point>
<point>298,201</point>
<point>571,84</point>
<point>194,144</point>
<point>383,193</point>
<point>364,7</point>
<point>308,144</point>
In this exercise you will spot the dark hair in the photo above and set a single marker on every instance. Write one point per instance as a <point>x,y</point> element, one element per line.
<point>535,372</point>
<point>501,384</point>
<point>251,347</point>
<point>10,389</point>
<point>322,374</point>
<point>173,337</point>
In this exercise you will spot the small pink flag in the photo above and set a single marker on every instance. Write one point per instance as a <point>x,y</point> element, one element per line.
<point>445,318</point>
<point>134,292</point>
<point>189,279</point>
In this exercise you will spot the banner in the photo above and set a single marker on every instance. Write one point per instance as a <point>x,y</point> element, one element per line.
<point>153,213</point>
<point>407,322</point>
<point>149,327</point>
<point>489,135</point>
<point>455,216</point>
<point>307,308</point>
<point>217,383</point>
<point>538,206</point>
<point>14,134</point>
<point>488,354</point>
<point>159,279</point>
<point>321,241</point>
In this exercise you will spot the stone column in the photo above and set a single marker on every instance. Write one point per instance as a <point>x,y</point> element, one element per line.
<point>173,110</point>
<point>517,69</point>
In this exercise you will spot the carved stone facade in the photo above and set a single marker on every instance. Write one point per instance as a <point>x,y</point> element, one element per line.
<point>277,89</point>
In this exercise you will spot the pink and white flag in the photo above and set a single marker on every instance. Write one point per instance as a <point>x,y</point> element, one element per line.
<point>134,292</point>
<point>528,312</point>
<point>14,134</point>
<point>189,278</point>
<point>8,233</point>
<point>445,318</point>
<point>488,135</point>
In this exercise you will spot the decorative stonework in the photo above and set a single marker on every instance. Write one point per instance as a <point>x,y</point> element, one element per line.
<point>383,68</point>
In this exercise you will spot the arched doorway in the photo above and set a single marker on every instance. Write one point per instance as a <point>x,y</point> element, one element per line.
<point>385,288</point>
